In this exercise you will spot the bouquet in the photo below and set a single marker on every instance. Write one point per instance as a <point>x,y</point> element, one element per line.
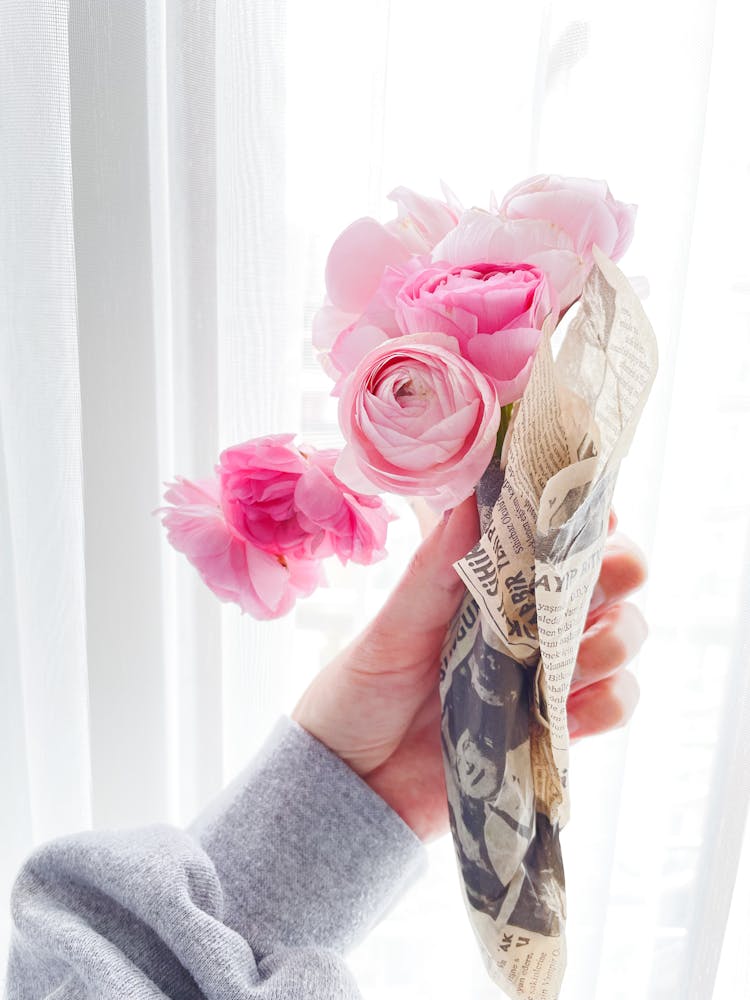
<point>437,332</point>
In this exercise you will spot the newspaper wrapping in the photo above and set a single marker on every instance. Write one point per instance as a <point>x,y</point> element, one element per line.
<point>510,651</point>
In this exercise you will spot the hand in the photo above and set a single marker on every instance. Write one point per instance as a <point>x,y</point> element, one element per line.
<point>377,704</point>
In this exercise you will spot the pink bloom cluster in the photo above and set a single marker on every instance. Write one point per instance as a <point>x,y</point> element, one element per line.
<point>432,322</point>
<point>257,533</point>
<point>430,329</point>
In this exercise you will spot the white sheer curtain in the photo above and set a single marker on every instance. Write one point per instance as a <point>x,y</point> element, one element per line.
<point>171,175</point>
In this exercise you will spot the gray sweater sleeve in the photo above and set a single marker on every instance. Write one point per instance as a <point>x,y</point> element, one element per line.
<point>291,865</point>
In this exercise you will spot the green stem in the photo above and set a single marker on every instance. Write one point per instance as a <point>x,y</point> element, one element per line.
<point>505,415</point>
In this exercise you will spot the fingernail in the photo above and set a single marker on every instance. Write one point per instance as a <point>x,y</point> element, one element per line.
<point>446,516</point>
<point>598,597</point>
<point>574,727</point>
<point>632,630</point>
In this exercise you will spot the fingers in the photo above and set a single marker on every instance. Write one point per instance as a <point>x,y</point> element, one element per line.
<point>428,594</point>
<point>603,695</point>
<point>426,517</point>
<point>455,535</point>
<point>623,571</point>
<point>605,705</point>
<point>611,642</point>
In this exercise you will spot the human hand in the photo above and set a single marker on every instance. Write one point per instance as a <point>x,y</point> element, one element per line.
<point>377,705</point>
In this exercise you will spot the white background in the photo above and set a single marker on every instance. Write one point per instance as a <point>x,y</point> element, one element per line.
<point>171,178</point>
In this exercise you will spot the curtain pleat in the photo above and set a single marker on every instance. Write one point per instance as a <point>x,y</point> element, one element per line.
<point>44,732</point>
<point>113,269</point>
<point>259,350</point>
<point>724,826</point>
<point>182,102</point>
<point>44,563</point>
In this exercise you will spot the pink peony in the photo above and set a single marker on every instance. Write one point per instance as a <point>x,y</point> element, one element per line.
<point>550,221</point>
<point>495,312</point>
<point>418,419</point>
<point>264,585</point>
<point>287,500</point>
<point>360,257</point>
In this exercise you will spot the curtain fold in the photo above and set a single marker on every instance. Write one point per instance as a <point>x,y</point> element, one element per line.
<point>258,350</point>
<point>183,150</point>
<point>44,726</point>
<point>171,177</point>
<point>116,334</point>
<point>718,862</point>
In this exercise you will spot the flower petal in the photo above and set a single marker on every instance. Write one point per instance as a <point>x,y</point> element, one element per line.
<point>357,261</point>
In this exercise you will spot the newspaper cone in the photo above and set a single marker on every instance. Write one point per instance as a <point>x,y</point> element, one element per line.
<point>510,651</point>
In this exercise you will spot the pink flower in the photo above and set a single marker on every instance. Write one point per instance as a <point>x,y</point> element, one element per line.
<point>346,347</point>
<point>583,208</point>
<point>495,312</point>
<point>550,221</point>
<point>418,419</point>
<point>422,221</point>
<point>262,584</point>
<point>287,500</point>
<point>360,257</point>
<point>355,524</point>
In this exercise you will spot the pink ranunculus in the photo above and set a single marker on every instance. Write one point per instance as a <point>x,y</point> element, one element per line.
<point>418,419</point>
<point>357,264</point>
<point>263,584</point>
<point>583,208</point>
<point>355,524</point>
<point>422,222</point>
<point>376,324</point>
<point>286,500</point>
<point>495,312</point>
<point>550,221</point>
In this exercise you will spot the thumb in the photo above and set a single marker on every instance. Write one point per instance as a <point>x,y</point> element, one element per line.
<point>429,592</point>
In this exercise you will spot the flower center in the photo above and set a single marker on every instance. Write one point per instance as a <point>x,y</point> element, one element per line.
<point>408,391</point>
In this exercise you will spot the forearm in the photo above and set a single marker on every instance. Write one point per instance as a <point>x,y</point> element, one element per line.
<point>288,867</point>
<point>317,851</point>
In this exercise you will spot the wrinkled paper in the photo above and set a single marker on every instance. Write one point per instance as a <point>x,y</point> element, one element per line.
<point>510,652</point>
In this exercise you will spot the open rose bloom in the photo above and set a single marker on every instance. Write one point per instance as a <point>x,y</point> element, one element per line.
<point>435,332</point>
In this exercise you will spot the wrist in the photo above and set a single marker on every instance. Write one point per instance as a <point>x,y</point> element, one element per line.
<point>421,806</point>
<point>400,804</point>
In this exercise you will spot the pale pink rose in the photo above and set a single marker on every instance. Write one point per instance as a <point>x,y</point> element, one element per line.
<point>495,312</point>
<point>359,260</point>
<point>418,420</point>
<point>550,221</point>
<point>262,584</point>
<point>286,500</point>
